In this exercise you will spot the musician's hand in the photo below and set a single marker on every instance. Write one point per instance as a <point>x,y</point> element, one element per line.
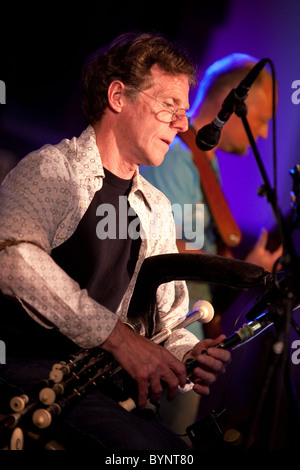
<point>212,363</point>
<point>261,256</point>
<point>147,363</point>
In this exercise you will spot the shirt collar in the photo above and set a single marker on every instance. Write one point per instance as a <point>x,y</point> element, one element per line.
<point>142,186</point>
<point>87,147</point>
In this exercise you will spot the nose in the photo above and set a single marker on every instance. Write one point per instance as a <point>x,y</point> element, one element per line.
<point>263,130</point>
<point>181,125</point>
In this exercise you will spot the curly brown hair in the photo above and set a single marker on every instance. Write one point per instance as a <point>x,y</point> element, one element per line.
<point>129,59</point>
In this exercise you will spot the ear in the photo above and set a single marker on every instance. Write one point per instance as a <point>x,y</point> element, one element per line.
<point>115,95</point>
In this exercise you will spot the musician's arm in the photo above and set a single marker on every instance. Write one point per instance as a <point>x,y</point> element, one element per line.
<point>27,271</point>
<point>29,274</point>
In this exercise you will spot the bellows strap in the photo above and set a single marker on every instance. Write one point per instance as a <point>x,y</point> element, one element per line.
<point>227,226</point>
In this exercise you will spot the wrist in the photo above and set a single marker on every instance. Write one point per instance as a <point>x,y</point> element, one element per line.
<point>115,337</point>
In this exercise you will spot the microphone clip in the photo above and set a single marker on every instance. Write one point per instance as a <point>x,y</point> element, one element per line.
<point>235,103</point>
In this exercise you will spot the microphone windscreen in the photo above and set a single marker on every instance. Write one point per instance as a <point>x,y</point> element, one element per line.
<point>208,137</point>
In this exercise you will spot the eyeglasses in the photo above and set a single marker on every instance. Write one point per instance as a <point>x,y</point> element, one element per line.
<point>169,114</point>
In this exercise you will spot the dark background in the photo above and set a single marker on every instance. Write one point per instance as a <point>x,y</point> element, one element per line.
<point>42,55</point>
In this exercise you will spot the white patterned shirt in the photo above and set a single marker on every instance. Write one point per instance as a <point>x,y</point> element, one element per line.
<point>42,200</point>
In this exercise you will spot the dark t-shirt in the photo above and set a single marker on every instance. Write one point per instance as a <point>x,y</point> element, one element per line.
<point>101,255</point>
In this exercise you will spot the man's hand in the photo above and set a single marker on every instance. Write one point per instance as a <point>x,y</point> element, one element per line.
<point>261,256</point>
<point>149,364</point>
<point>211,363</point>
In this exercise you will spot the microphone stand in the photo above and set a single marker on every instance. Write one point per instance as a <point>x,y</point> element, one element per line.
<point>282,323</point>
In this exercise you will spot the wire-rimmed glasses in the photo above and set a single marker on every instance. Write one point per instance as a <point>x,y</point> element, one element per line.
<point>168,114</point>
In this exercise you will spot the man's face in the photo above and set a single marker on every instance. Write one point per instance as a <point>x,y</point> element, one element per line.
<point>146,135</point>
<point>259,111</point>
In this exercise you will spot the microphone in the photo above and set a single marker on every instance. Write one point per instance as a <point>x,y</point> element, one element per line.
<point>208,136</point>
